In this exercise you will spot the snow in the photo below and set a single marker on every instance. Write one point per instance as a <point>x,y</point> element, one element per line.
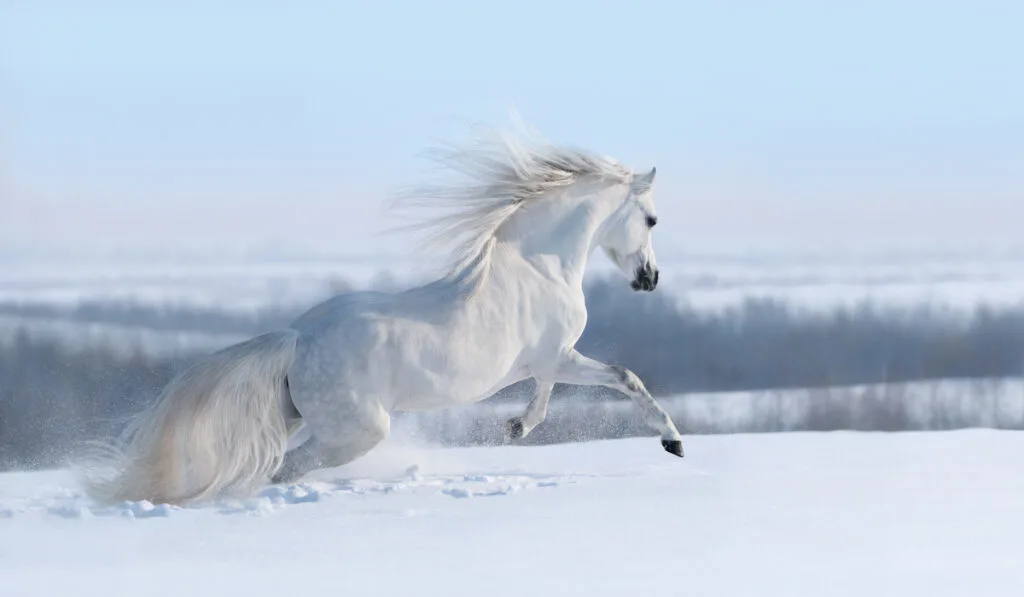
<point>842,513</point>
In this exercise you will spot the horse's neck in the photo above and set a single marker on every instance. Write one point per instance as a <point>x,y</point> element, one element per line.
<point>543,247</point>
<point>556,235</point>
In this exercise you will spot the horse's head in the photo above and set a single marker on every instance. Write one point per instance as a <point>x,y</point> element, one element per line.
<point>626,235</point>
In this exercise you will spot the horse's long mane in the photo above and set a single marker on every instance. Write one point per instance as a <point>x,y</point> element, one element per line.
<point>502,173</point>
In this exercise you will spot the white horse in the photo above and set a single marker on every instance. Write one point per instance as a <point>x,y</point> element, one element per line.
<point>510,308</point>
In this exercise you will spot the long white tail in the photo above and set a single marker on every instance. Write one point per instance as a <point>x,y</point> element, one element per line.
<point>218,428</point>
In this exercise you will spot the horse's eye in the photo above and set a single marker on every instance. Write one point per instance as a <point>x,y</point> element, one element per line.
<point>651,221</point>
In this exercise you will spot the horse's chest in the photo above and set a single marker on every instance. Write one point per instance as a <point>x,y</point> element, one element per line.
<point>562,319</point>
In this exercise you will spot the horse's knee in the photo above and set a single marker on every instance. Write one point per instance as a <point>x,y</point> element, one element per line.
<point>628,381</point>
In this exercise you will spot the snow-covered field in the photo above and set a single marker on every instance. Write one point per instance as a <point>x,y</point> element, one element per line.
<point>811,514</point>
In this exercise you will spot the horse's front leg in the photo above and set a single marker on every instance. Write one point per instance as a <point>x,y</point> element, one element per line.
<point>580,370</point>
<point>519,427</point>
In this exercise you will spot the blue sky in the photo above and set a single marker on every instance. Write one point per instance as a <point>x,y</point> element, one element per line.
<point>783,125</point>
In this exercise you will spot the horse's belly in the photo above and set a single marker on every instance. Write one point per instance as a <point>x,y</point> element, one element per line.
<point>449,395</point>
<point>455,381</point>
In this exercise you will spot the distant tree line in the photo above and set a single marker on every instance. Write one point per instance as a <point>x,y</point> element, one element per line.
<point>766,343</point>
<point>53,395</point>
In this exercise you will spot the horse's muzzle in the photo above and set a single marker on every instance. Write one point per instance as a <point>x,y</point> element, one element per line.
<point>646,278</point>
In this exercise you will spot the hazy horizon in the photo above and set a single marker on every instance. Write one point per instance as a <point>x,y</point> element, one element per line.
<point>787,128</point>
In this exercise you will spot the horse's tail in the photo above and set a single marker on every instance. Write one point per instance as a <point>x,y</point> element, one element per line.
<point>219,427</point>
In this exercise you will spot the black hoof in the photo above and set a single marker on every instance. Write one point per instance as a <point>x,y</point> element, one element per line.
<point>514,427</point>
<point>673,446</point>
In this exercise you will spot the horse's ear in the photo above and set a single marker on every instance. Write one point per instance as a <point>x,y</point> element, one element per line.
<point>644,182</point>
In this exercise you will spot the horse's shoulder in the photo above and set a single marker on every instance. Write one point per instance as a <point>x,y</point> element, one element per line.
<point>565,310</point>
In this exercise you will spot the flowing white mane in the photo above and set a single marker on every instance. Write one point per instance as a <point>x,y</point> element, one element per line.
<point>502,173</point>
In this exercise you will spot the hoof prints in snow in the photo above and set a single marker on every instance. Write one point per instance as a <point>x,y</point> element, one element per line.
<point>145,509</point>
<point>73,505</point>
<point>459,492</point>
<point>485,486</point>
<point>272,498</point>
<point>79,508</point>
<point>69,511</point>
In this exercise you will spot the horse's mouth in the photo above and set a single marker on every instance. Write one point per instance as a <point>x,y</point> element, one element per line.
<point>645,285</point>
<point>646,280</point>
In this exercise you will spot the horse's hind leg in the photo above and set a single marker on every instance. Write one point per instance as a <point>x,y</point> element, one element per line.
<point>317,454</point>
<point>348,433</point>
<point>519,427</point>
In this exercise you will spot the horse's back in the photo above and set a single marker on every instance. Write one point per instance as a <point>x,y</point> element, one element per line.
<point>374,339</point>
<point>330,310</point>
